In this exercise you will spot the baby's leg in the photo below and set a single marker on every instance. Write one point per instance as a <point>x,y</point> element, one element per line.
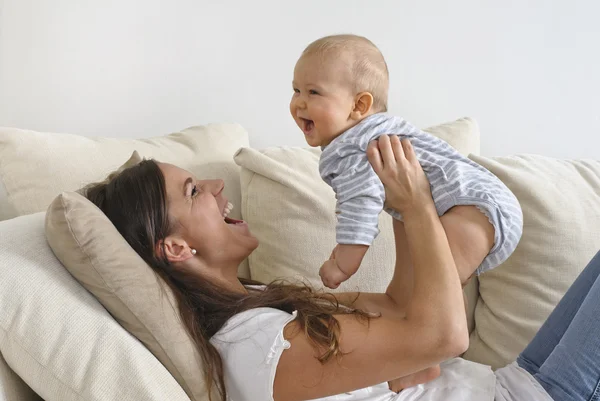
<point>471,237</point>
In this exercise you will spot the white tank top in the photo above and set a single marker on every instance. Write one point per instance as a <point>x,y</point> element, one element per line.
<point>251,343</point>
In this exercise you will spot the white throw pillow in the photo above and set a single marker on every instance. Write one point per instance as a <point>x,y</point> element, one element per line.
<point>291,211</point>
<point>561,210</point>
<point>58,338</point>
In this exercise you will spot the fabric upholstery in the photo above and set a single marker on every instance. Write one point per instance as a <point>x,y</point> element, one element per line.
<point>58,338</point>
<point>560,201</point>
<point>12,387</point>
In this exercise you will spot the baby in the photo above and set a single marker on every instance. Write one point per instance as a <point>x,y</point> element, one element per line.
<point>340,103</point>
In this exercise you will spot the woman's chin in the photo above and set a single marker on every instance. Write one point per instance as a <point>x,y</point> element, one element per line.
<point>238,226</point>
<point>242,230</point>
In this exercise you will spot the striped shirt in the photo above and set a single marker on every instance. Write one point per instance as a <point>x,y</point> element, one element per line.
<point>454,179</point>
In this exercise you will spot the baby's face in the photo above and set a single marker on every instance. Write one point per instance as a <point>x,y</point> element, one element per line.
<point>323,99</point>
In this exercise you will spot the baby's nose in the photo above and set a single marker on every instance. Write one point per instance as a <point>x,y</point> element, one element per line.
<point>300,102</point>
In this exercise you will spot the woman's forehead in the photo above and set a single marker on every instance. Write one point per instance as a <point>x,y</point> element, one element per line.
<point>175,177</point>
<point>173,172</point>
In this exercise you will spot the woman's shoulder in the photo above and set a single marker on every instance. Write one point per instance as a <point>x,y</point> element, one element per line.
<point>246,322</point>
<point>265,322</point>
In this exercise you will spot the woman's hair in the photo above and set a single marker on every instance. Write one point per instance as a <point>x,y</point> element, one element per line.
<point>135,200</point>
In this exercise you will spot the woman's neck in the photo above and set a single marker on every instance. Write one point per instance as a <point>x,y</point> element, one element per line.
<point>227,278</point>
<point>224,274</point>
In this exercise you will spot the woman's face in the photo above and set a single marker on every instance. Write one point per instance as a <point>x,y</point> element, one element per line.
<point>197,213</point>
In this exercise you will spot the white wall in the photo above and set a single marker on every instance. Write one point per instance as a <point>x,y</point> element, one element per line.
<point>528,71</point>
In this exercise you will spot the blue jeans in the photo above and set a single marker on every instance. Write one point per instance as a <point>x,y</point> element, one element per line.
<point>564,356</point>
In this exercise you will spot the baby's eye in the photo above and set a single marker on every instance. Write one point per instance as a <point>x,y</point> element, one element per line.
<point>296,90</point>
<point>313,92</point>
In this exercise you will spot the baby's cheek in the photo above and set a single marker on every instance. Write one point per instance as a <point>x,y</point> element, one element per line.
<point>332,120</point>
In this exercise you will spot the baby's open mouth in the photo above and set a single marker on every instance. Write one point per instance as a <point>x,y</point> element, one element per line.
<point>307,125</point>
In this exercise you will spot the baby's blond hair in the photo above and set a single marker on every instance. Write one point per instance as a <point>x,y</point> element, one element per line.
<point>368,68</point>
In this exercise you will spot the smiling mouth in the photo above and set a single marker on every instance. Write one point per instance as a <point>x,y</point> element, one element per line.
<point>226,210</point>
<point>307,125</point>
<point>229,220</point>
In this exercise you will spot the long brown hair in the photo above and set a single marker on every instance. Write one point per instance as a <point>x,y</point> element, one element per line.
<point>135,201</point>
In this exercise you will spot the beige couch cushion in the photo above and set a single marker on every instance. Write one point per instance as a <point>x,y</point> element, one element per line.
<point>36,166</point>
<point>561,203</point>
<point>58,338</point>
<point>291,211</point>
<point>94,252</point>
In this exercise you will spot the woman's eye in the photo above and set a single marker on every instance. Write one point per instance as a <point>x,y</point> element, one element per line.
<point>194,190</point>
<point>313,92</point>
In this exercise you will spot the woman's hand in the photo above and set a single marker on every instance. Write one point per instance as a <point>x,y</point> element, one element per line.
<point>396,164</point>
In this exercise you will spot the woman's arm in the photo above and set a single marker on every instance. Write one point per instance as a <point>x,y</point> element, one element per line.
<point>434,328</point>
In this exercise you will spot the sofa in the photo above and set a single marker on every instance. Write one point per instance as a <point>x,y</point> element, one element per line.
<point>65,335</point>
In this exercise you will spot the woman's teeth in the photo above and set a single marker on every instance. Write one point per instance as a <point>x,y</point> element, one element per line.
<point>227,209</point>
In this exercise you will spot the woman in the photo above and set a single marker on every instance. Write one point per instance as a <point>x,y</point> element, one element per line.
<point>284,342</point>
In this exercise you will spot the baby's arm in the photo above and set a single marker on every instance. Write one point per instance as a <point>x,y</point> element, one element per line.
<point>360,196</point>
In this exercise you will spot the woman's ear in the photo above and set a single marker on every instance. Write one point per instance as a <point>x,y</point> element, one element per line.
<point>363,103</point>
<point>175,249</point>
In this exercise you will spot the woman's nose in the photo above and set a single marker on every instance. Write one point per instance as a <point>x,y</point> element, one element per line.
<point>216,186</point>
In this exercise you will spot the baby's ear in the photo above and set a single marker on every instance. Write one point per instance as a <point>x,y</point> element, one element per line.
<point>363,103</point>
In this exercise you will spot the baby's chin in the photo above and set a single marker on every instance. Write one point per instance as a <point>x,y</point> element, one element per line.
<point>326,141</point>
<point>311,143</point>
<point>315,142</point>
<point>316,138</point>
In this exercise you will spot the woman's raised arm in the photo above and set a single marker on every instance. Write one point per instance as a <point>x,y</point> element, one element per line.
<point>433,327</point>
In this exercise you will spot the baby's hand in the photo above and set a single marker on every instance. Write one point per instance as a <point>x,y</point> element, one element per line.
<point>342,264</point>
<point>331,274</point>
